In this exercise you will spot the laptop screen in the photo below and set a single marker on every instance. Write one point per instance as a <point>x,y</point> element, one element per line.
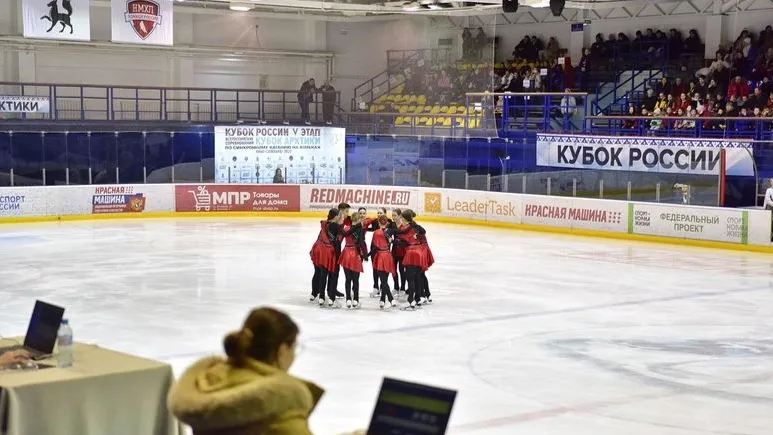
<point>43,328</point>
<point>405,408</point>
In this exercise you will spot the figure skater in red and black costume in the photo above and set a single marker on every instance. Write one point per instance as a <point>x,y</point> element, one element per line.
<point>398,252</point>
<point>372,225</point>
<point>343,210</point>
<point>324,256</point>
<point>415,259</point>
<point>351,259</point>
<point>383,263</point>
<point>426,296</point>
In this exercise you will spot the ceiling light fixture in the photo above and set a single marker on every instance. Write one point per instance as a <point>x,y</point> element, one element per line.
<point>240,7</point>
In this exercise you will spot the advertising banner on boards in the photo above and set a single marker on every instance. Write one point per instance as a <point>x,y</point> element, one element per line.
<point>221,197</point>
<point>698,223</point>
<point>143,21</point>
<point>280,154</point>
<point>56,19</point>
<point>645,154</point>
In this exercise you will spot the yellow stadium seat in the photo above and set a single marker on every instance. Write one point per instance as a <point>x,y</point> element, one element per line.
<point>440,120</point>
<point>411,109</point>
<point>412,99</point>
<point>372,108</point>
<point>447,121</point>
<point>435,110</point>
<point>421,99</point>
<point>451,109</point>
<point>380,108</point>
<point>459,121</point>
<point>402,109</point>
<point>444,109</point>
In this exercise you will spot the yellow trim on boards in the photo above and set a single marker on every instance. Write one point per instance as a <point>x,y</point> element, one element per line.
<point>441,219</point>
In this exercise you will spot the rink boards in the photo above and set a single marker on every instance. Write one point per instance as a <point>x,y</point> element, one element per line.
<point>693,225</point>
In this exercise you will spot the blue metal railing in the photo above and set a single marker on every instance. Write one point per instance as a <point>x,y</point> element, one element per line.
<point>142,104</point>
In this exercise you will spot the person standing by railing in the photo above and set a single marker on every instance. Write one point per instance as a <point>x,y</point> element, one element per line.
<point>305,97</point>
<point>328,102</point>
<point>769,204</point>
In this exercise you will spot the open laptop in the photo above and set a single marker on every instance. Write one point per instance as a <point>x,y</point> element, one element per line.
<point>42,331</point>
<point>405,408</point>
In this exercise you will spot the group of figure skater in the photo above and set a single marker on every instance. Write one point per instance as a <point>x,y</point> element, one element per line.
<point>398,248</point>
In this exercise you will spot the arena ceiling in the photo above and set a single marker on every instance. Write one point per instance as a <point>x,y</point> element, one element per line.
<point>530,11</point>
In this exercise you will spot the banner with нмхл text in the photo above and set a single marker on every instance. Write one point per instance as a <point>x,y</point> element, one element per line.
<point>56,19</point>
<point>645,154</point>
<point>296,154</point>
<point>143,21</point>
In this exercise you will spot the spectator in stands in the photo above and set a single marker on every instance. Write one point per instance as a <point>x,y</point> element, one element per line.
<point>713,89</point>
<point>584,67</point>
<point>702,86</point>
<point>766,87</point>
<point>538,45</point>
<point>657,123</point>
<point>739,88</point>
<point>550,53</point>
<point>524,50</point>
<point>466,43</point>
<point>675,44</point>
<point>684,103</point>
<point>250,392</point>
<point>670,101</point>
<point>649,101</point>
<point>664,86</point>
<point>598,50</point>
<point>329,97</point>
<point>770,102</point>
<point>630,123</point>
<point>692,45</point>
<point>691,89</point>
<point>305,97</point>
<point>763,66</point>
<point>678,88</point>
<point>662,102</point>
<point>479,43</point>
<point>568,104</point>
<point>756,100</point>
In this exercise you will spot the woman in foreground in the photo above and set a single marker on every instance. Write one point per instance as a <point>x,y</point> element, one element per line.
<point>250,393</point>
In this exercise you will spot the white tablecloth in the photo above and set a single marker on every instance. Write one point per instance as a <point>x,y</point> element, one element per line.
<point>103,393</point>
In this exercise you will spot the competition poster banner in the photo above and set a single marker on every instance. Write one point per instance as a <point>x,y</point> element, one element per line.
<point>283,154</point>
<point>56,19</point>
<point>143,21</point>
<point>645,154</point>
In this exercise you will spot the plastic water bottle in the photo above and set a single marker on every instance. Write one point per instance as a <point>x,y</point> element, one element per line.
<point>64,343</point>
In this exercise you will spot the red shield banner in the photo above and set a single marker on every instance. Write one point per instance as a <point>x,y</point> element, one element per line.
<point>144,16</point>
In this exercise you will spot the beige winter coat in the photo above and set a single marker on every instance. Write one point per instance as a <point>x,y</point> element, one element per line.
<point>216,398</point>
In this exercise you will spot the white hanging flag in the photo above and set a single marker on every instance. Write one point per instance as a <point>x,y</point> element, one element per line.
<point>143,21</point>
<point>56,19</point>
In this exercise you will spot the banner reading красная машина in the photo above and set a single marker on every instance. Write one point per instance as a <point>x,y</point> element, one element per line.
<point>645,154</point>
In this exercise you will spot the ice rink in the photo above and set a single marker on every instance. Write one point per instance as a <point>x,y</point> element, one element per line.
<point>540,334</point>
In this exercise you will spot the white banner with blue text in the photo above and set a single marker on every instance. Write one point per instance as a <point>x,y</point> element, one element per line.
<point>645,154</point>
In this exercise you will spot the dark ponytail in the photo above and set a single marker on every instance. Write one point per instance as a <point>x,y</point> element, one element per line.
<point>408,215</point>
<point>332,214</point>
<point>264,330</point>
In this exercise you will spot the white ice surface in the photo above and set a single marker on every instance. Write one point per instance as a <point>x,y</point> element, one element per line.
<point>540,334</point>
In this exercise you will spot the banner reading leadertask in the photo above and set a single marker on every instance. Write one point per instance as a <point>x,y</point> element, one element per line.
<point>645,154</point>
<point>56,19</point>
<point>280,154</point>
<point>143,21</point>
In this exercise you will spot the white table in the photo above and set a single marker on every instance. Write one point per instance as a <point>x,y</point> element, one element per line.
<point>103,393</point>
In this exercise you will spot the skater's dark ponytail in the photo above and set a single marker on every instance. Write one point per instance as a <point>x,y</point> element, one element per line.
<point>408,215</point>
<point>332,214</point>
<point>263,332</point>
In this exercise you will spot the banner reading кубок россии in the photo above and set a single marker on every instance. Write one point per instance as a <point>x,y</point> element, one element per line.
<point>297,154</point>
<point>697,156</point>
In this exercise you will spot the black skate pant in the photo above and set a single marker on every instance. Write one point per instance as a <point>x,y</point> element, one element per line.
<point>399,275</point>
<point>352,283</point>
<point>415,283</point>
<point>385,292</point>
<point>319,281</point>
<point>425,286</point>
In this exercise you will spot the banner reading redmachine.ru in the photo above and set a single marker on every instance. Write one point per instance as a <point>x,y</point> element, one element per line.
<point>370,197</point>
<point>645,154</point>
<point>699,223</point>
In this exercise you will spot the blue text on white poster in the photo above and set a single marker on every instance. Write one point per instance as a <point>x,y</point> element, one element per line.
<point>280,154</point>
